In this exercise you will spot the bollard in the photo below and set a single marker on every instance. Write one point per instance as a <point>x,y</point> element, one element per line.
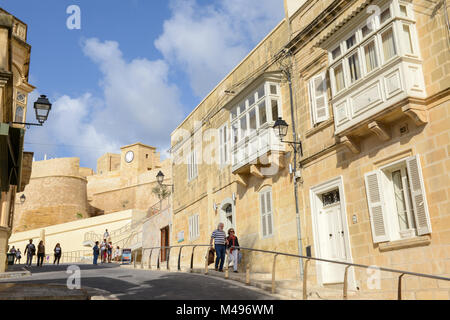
<point>346,282</point>
<point>168,257</point>
<point>134,262</point>
<point>226,268</point>
<point>247,274</point>
<point>179,259</point>
<point>273,272</point>
<point>192,259</point>
<point>159,255</point>
<point>305,282</point>
<point>206,261</point>
<point>400,286</point>
<point>150,259</point>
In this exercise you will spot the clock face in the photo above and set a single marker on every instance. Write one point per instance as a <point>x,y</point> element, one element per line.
<point>129,156</point>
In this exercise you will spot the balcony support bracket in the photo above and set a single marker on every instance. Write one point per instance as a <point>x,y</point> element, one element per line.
<point>351,144</point>
<point>380,130</point>
<point>416,113</point>
<point>241,179</point>
<point>255,171</point>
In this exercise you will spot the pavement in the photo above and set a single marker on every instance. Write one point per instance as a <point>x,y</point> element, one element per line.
<point>110,282</point>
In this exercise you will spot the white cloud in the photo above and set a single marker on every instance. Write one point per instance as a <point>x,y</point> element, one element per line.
<point>138,104</point>
<point>208,41</point>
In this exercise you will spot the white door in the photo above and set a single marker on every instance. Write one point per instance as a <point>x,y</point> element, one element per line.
<point>332,243</point>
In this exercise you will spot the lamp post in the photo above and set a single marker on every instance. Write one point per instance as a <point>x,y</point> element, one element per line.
<point>22,199</point>
<point>281,127</point>
<point>160,180</point>
<point>42,108</point>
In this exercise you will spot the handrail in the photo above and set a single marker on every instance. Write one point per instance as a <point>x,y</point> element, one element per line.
<point>278,253</point>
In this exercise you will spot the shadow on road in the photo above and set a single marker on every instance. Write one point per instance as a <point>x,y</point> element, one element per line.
<point>63,267</point>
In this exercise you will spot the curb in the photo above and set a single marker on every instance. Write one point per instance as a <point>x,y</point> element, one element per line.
<point>15,274</point>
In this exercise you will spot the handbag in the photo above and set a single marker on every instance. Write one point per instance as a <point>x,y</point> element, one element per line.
<point>211,254</point>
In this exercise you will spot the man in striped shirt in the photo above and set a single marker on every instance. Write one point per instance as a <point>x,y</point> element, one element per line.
<point>220,242</point>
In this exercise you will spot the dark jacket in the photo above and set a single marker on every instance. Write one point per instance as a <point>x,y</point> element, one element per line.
<point>41,249</point>
<point>230,244</point>
<point>58,253</point>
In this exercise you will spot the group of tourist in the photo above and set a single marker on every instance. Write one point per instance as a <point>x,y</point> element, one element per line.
<point>30,252</point>
<point>225,244</point>
<point>105,250</point>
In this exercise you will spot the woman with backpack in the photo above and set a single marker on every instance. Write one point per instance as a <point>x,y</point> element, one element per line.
<point>57,251</point>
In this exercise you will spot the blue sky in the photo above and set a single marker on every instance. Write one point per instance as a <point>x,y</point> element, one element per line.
<point>134,70</point>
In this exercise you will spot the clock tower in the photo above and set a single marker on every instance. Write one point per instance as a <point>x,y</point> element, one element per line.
<point>138,158</point>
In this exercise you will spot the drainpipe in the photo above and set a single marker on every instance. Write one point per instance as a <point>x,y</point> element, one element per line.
<point>297,213</point>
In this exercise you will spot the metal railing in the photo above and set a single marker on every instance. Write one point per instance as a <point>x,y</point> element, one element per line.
<point>275,255</point>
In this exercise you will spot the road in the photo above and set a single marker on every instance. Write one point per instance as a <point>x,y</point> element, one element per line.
<point>115,282</point>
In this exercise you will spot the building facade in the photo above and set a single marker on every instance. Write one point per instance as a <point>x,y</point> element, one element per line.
<point>372,87</point>
<point>370,103</point>
<point>15,165</point>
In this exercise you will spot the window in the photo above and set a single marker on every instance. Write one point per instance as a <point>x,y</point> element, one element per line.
<point>370,57</point>
<point>223,145</point>
<point>194,231</point>
<point>385,15</point>
<point>262,113</point>
<point>387,39</point>
<point>19,114</point>
<point>336,53</point>
<point>403,11</point>
<point>350,42</point>
<point>192,166</point>
<point>365,30</point>
<point>275,113</point>
<point>354,68</point>
<point>265,198</point>
<point>318,98</point>
<point>339,78</point>
<point>261,105</point>
<point>397,201</point>
<point>407,40</point>
<point>21,97</point>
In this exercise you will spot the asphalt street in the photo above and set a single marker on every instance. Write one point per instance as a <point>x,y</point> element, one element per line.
<point>114,282</point>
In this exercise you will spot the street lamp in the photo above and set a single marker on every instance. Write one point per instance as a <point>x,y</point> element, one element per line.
<point>42,108</point>
<point>160,180</point>
<point>22,198</point>
<point>281,127</point>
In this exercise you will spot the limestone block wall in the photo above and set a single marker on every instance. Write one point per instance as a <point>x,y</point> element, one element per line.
<point>56,194</point>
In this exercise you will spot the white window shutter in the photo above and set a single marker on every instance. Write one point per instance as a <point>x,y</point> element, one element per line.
<point>319,100</point>
<point>418,196</point>
<point>269,213</point>
<point>263,214</point>
<point>377,210</point>
<point>197,231</point>
<point>190,228</point>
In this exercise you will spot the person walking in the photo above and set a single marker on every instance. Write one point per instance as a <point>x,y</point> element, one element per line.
<point>103,251</point>
<point>220,243</point>
<point>234,253</point>
<point>109,249</point>
<point>30,251</point>
<point>18,255</point>
<point>117,254</point>
<point>13,250</point>
<point>40,253</point>
<point>106,235</point>
<point>57,253</point>
<point>95,252</point>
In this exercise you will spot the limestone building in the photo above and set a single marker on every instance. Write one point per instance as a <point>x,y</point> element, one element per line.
<point>370,103</point>
<point>60,191</point>
<point>15,164</point>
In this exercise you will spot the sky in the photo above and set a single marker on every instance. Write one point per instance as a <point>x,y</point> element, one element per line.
<point>134,70</point>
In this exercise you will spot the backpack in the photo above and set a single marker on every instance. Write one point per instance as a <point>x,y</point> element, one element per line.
<point>32,249</point>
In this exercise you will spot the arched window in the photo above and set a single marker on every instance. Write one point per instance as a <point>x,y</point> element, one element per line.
<point>19,114</point>
<point>266,209</point>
